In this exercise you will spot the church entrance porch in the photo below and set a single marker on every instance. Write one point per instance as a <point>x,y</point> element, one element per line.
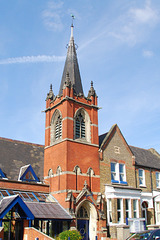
<point>87,220</point>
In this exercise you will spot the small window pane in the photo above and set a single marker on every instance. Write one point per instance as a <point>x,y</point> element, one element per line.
<point>121,168</point>
<point>113,167</point>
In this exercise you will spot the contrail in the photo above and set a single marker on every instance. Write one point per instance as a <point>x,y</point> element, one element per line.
<point>32,59</point>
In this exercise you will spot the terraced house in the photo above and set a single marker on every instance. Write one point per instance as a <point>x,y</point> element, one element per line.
<point>78,179</point>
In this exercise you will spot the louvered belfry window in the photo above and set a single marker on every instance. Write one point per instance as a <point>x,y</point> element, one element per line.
<point>58,128</point>
<point>80,126</point>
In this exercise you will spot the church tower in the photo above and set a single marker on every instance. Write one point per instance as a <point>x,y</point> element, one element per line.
<point>71,159</point>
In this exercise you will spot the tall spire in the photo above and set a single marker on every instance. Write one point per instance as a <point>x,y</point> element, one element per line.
<point>71,67</point>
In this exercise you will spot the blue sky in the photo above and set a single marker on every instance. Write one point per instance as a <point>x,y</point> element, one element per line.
<point>118,49</point>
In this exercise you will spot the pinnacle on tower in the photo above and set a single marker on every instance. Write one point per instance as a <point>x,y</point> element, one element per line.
<point>92,91</point>
<point>50,95</point>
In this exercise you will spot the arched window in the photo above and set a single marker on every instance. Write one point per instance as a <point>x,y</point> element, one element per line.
<point>77,171</point>
<point>82,213</point>
<point>56,126</point>
<point>90,173</point>
<point>58,172</point>
<point>50,173</point>
<point>82,125</point>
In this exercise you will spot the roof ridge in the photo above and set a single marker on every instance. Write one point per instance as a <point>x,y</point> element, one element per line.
<point>22,142</point>
<point>140,148</point>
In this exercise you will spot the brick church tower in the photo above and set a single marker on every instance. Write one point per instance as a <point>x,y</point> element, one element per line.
<point>71,159</point>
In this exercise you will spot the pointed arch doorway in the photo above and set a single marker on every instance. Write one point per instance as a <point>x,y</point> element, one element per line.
<point>87,220</point>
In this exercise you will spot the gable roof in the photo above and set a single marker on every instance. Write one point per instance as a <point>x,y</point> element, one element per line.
<point>146,158</point>
<point>7,203</point>
<point>105,138</point>
<point>101,138</point>
<point>143,157</point>
<point>2,174</point>
<point>27,174</point>
<point>41,210</point>
<point>15,154</point>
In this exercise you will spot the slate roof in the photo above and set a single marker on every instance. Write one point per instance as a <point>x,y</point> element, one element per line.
<point>71,67</point>
<point>6,201</point>
<point>47,210</point>
<point>146,158</point>
<point>101,138</point>
<point>15,154</point>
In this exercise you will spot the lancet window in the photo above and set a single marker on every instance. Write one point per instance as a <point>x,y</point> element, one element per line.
<point>82,125</point>
<point>56,126</point>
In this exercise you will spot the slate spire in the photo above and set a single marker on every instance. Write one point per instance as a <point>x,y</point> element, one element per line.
<point>71,67</point>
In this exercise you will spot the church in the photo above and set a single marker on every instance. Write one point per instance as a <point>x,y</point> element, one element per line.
<point>78,179</point>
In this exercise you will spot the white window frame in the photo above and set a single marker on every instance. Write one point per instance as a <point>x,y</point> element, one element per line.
<point>135,210</point>
<point>117,173</point>
<point>158,179</point>
<point>129,208</point>
<point>157,211</point>
<point>120,210</point>
<point>141,178</point>
<point>109,210</point>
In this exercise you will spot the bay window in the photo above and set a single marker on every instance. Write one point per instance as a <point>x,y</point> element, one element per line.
<point>135,208</point>
<point>119,210</point>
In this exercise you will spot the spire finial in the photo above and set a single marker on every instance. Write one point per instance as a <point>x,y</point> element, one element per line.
<point>73,17</point>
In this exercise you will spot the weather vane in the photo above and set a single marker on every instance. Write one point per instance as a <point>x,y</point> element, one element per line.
<point>73,17</point>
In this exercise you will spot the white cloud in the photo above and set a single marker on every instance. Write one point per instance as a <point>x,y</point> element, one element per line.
<point>33,59</point>
<point>145,15</point>
<point>147,53</point>
<point>52,16</point>
<point>135,24</point>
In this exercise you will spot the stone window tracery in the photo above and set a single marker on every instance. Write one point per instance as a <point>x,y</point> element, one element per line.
<point>82,125</point>
<point>82,213</point>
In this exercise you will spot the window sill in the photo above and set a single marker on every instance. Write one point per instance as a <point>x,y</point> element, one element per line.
<point>142,186</point>
<point>119,182</point>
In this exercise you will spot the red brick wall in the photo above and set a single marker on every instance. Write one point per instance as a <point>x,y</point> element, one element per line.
<point>69,153</point>
<point>22,186</point>
<point>2,233</point>
<point>32,234</point>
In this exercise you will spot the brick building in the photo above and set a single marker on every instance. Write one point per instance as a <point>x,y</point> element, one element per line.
<point>129,180</point>
<point>94,183</point>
